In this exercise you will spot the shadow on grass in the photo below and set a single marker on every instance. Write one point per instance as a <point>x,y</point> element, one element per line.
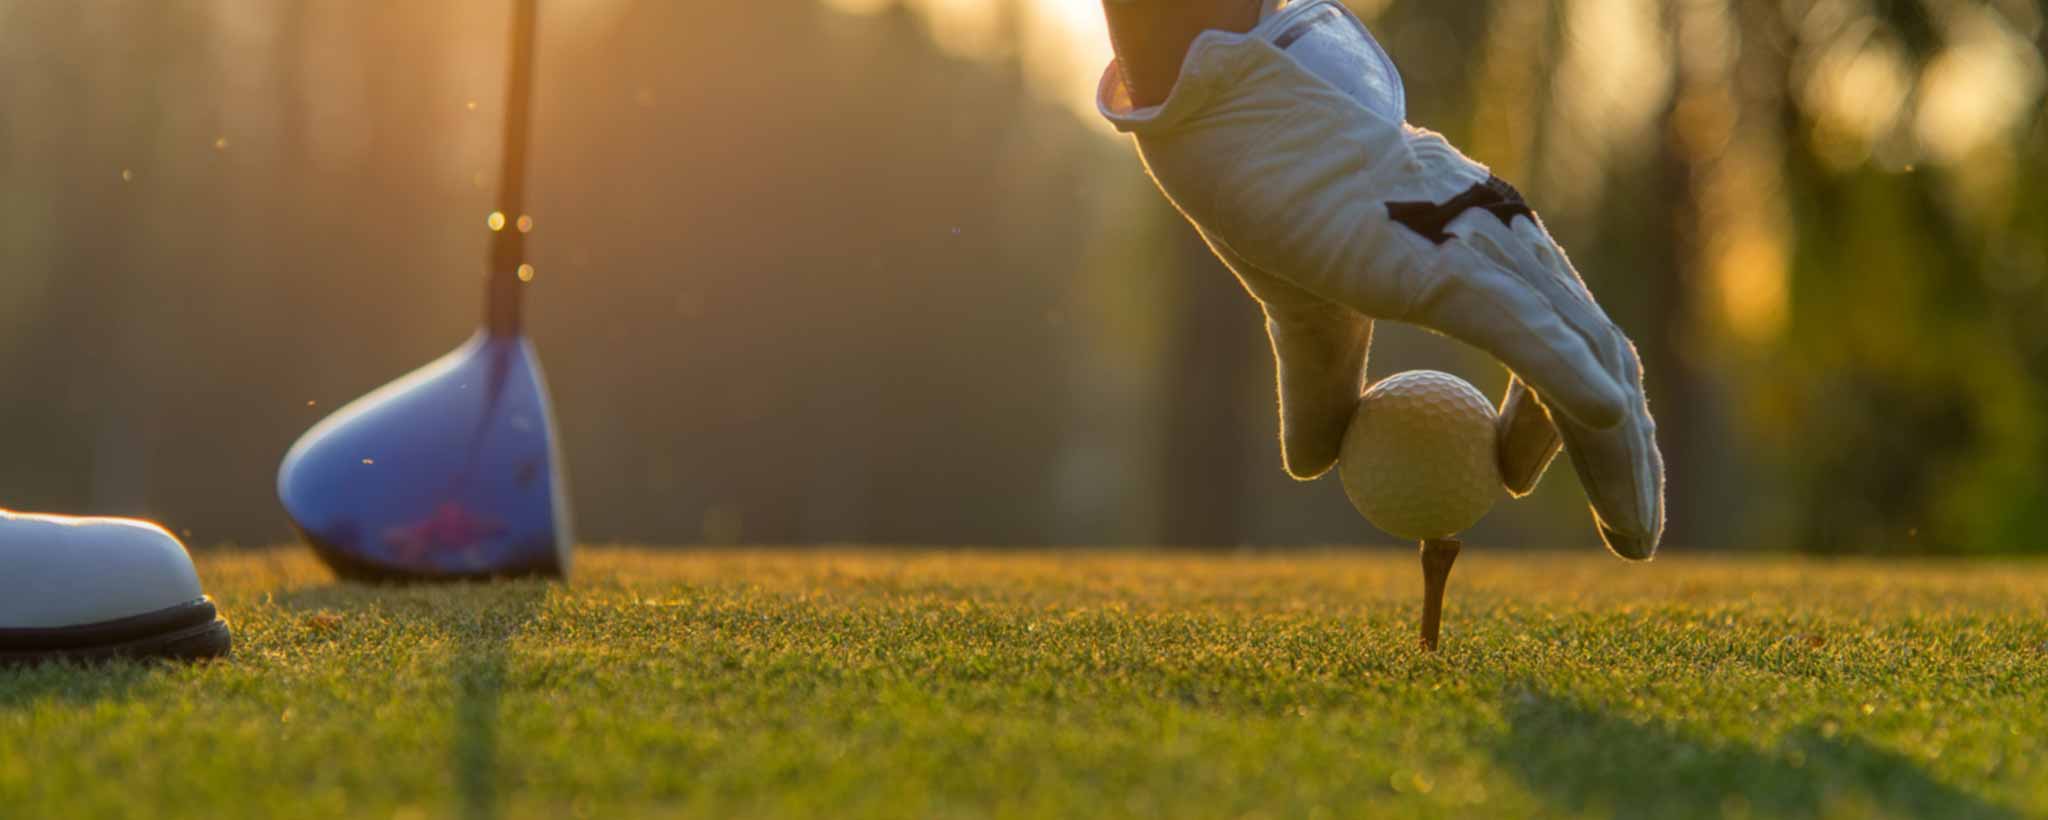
<point>481,668</point>
<point>482,619</point>
<point>1586,761</point>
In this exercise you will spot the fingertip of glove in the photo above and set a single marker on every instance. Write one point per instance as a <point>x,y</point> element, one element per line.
<point>1307,471</point>
<point>1519,486</point>
<point>1309,451</point>
<point>1519,476</point>
<point>1629,547</point>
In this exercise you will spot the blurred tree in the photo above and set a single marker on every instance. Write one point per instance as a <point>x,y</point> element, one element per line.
<point>1901,397</point>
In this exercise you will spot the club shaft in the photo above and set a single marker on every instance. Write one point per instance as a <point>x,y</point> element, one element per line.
<point>1437,557</point>
<point>508,240</point>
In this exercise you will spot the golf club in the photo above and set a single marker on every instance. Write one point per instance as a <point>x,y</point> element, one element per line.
<point>453,471</point>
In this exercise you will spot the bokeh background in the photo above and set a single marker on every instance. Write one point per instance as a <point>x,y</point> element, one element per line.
<point>816,271</point>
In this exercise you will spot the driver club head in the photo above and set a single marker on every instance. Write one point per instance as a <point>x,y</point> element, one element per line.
<point>450,473</point>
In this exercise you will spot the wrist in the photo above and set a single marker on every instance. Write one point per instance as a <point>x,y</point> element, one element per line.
<point>1151,38</point>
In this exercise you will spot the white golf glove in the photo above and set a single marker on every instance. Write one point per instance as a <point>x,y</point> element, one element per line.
<point>1287,147</point>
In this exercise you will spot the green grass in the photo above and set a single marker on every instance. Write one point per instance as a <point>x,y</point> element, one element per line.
<point>858,683</point>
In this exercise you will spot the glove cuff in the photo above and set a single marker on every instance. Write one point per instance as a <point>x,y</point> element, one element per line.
<point>1323,36</point>
<point>1211,62</point>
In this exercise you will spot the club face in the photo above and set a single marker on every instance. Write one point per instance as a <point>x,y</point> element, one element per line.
<point>452,472</point>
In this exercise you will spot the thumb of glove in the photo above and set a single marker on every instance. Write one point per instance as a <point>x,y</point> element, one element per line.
<point>1320,351</point>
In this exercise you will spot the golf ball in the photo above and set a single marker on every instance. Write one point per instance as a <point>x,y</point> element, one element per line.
<point>1419,459</point>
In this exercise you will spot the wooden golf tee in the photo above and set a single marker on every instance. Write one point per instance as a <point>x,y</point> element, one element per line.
<point>1437,556</point>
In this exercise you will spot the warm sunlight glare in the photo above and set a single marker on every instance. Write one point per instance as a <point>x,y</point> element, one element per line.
<point>581,18</point>
<point>1978,88</point>
<point>1613,78</point>
<point>1857,91</point>
<point>1751,275</point>
<point>1062,42</point>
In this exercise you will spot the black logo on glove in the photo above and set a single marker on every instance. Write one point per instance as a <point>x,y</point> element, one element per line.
<point>1494,196</point>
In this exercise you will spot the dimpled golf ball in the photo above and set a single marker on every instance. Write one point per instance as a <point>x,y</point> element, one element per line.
<point>1419,458</point>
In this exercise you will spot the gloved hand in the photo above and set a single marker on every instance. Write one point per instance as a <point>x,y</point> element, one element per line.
<point>1287,147</point>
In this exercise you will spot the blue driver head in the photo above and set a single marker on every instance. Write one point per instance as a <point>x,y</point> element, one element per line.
<point>449,473</point>
<point>452,472</point>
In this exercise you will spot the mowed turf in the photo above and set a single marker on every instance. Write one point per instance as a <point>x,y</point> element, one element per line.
<point>963,684</point>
